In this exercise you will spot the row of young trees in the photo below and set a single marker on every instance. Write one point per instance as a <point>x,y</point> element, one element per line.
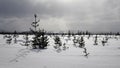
<point>64,33</point>
<point>40,39</point>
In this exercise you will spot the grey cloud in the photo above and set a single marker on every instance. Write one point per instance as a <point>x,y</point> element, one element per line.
<point>90,15</point>
<point>14,8</point>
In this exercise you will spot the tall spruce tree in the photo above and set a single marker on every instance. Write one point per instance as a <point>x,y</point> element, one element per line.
<point>40,40</point>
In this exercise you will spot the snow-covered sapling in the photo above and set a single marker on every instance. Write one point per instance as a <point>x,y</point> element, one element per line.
<point>5,36</point>
<point>81,42</point>
<point>75,41</point>
<point>57,42</point>
<point>65,47</point>
<point>69,35</point>
<point>105,40</point>
<point>26,41</point>
<point>116,37</point>
<point>9,39</point>
<point>96,40</point>
<point>15,36</point>
<point>85,52</point>
<point>89,36</point>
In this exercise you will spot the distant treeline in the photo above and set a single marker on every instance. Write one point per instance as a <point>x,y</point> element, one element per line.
<point>65,33</point>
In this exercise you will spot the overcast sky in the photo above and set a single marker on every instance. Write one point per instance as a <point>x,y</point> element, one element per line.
<point>61,15</point>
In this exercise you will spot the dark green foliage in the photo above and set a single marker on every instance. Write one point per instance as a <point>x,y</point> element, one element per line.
<point>104,41</point>
<point>81,42</point>
<point>5,36</point>
<point>26,41</point>
<point>35,23</point>
<point>75,40</point>
<point>69,34</point>
<point>85,52</point>
<point>88,36</point>
<point>15,36</point>
<point>57,40</point>
<point>58,43</point>
<point>8,39</point>
<point>40,40</point>
<point>43,40</point>
<point>96,40</point>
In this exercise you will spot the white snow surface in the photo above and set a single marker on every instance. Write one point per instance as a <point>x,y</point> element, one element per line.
<point>17,56</point>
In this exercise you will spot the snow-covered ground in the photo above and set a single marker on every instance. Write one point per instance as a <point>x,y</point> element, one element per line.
<point>17,56</point>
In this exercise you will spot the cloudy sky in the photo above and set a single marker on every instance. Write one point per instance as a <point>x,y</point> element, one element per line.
<point>61,15</point>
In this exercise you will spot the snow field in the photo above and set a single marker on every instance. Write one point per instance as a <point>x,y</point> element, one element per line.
<point>17,56</point>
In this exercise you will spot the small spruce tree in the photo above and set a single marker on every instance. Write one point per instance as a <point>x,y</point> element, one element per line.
<point>96,40</point>
<point>9,39</point>
<point>75,40</point>
<point>69,34</point>
<point>103,42</point>
<point>58,44</point>
<point>81,42</point>
<point>15,36</point>
<point>57,41</point>
<point>85,52</point>
<point>26,41</point>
